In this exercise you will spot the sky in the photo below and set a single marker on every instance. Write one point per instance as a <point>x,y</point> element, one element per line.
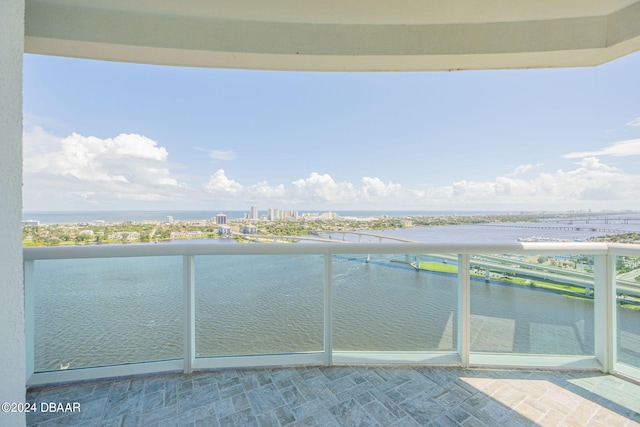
<point>116,136</point>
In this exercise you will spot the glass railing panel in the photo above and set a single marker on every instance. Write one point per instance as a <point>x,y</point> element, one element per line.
<point>532,304</point>
<point>262,304</point>
<point>101,312</point>
<point>628,322</point>
<point>383,303</point>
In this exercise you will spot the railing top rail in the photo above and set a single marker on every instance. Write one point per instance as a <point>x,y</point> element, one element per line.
<point>624,249</point>
<point>204,248</point>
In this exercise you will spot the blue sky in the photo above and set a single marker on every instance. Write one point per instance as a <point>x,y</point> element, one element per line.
<point>111,136</point>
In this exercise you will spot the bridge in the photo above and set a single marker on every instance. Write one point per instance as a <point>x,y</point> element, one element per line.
<point>544,272</point>
<point>274,238</point>
<point>261,238</point>
<point>604,220</point>
<point>362,234</point>
<point>565,227</point>
<point>487,262</point>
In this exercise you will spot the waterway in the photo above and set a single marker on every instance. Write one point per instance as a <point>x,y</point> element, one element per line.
<point>113,311</point>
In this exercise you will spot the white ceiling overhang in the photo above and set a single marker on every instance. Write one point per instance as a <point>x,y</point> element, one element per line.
<point>337,35</point>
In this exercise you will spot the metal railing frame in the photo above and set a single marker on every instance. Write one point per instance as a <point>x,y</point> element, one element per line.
<point>604,358</point>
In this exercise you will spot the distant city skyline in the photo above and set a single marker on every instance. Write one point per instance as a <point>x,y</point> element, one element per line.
<point>113,136</point>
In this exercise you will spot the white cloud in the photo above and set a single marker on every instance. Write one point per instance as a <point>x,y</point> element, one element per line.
<point>375,189</point>
<point>221,186</point>
<point>617,149</point>
<point>264,192</point>
<point>322,189</point>
<point>634,122</point>
<point>222,154</point>
<point>96,170</point>
<point>591,181</point>
<point>523,169</point>
<point>131,171</point>
<point>316,190</point>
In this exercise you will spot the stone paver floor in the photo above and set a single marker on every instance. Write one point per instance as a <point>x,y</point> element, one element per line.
<point>346,396</point>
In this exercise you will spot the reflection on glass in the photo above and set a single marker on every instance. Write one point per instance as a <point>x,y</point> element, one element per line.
<point>628,291</point>
<point>267,304</point>
<point>100,312</point>
<point>383,303</point>
<point>532,304</point>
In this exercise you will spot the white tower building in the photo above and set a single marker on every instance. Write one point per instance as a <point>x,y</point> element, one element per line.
<point>221,219</point>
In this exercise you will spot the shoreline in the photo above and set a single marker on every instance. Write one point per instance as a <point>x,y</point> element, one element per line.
<point>129,231</point>
<point>242,230</point>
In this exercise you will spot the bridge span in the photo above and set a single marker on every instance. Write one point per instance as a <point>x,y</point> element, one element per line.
<point>486,262</point>
<point>565,227</point>
<point>362,234</point>
<point>274,238</point>
<point>544,272</point>
<point>605,220</point>
<point>263,237</point>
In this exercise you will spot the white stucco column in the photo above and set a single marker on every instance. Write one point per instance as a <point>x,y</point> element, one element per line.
<point>12,340</point>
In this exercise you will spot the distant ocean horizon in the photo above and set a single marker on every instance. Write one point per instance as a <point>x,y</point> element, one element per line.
<point>74,217</point>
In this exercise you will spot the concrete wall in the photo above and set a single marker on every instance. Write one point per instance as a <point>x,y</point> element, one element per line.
<point>12,339</point>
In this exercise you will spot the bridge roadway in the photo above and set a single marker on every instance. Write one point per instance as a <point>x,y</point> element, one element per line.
<point>555,274</point>
<point>362,234</point>
<point>563,227</point>
<point>620,282</point>
<point>559,275</point>
<point>605,220</point>
<point>257,237</point>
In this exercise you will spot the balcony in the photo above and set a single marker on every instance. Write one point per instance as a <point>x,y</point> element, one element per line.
<point>348,395</point>
<point>356,316</point>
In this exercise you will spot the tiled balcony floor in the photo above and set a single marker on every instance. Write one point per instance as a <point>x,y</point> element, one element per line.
<point>347,396</point>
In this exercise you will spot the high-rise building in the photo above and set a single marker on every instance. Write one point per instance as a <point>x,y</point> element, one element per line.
<point>274,214</point>
<point>221,219</point>
<point>254,212</point>
<point>289,215</point>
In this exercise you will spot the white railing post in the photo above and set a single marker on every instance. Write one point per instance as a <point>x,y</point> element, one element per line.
<point>612,324</point>
<point>189,310</point>
<point>464,309</point>
<point>605,306</point>
<point>604,311</point>
<point>29,317</point>
<point>328,299</point>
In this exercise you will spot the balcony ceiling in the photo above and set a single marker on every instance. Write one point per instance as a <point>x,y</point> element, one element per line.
<point>353,35</point>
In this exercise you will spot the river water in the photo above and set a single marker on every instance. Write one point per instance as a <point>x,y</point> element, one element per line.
<point>113,311</point>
